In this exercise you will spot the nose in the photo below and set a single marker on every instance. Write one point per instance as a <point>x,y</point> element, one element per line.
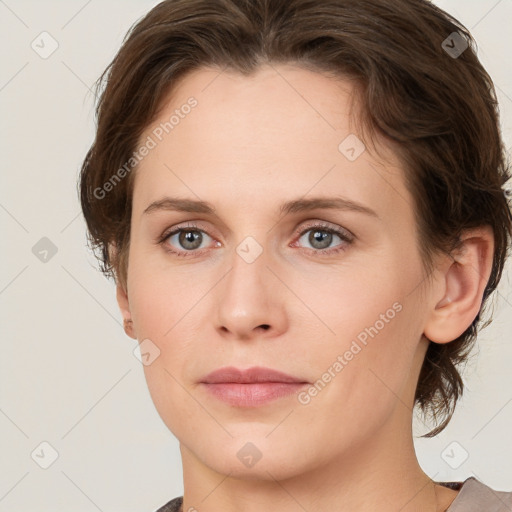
<point>251,301</point>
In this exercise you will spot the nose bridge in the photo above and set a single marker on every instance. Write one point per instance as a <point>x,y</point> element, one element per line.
<point>249,298</point>
<point>246,281</point>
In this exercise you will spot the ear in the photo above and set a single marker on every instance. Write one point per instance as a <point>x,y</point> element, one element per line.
<point>124,306</point>
<point>122,298</point>
<point>459,286</point>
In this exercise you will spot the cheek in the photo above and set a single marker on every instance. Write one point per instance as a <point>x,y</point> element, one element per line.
<point>367,354</point>
<point>352,303</point>
<point>168,318</point>
<point>356,393</point>
<point>175,405</point>
<point>167,309</point>
<point>160,298</point>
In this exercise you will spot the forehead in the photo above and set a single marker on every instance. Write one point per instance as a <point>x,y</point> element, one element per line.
<point>282,131</point>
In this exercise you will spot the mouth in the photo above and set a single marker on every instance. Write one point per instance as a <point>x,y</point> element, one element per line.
<point>252,387</point>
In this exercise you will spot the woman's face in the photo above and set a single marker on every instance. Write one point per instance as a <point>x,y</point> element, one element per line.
<point>331,294</point>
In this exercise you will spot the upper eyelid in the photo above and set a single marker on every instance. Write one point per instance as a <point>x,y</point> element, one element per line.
<point>327,226</point>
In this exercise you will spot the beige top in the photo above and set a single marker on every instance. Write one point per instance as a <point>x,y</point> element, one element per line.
<point>473,496</point>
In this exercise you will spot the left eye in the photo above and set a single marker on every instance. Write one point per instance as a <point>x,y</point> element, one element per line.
<point>321,238</point>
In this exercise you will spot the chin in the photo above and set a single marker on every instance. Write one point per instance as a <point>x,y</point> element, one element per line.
<point>266,469</point>
<point>255,457</point>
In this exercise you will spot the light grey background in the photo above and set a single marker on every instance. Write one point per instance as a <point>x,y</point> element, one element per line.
<point>68,375</point>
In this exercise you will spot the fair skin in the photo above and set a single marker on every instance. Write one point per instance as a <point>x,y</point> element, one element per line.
<point>251,144</point>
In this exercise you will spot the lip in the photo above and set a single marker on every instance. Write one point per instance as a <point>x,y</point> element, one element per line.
<point>252,387</point>
<point>249,376</point>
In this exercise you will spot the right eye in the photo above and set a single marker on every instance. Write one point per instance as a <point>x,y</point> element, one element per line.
<point>185,239</point>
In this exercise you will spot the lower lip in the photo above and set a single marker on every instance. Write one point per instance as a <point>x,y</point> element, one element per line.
<point>252,395</point>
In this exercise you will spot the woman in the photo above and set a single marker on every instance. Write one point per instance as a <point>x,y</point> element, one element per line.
<point>302,206</point>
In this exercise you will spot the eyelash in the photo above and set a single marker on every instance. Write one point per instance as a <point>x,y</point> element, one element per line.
<point>344,235</point>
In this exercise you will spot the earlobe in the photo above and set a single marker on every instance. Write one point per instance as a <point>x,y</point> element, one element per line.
<point>462,284</point>
<point>122,297</point>
<point>124,306</point>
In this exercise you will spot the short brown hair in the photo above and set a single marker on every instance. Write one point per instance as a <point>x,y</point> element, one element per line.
<point>438,110</point>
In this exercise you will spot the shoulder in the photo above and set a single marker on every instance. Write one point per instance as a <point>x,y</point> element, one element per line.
<point>172,506</point>
<point>475,496</point>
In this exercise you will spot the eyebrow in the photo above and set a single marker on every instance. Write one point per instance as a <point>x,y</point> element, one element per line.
<point>294,206</point>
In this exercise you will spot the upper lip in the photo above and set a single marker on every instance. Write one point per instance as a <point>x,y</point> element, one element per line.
<point>250,375</point>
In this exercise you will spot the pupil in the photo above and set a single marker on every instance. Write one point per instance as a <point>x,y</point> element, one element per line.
<point>323,237</point>
<point>188,239</point>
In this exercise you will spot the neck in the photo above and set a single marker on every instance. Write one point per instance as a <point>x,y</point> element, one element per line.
<point>381,474</point>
